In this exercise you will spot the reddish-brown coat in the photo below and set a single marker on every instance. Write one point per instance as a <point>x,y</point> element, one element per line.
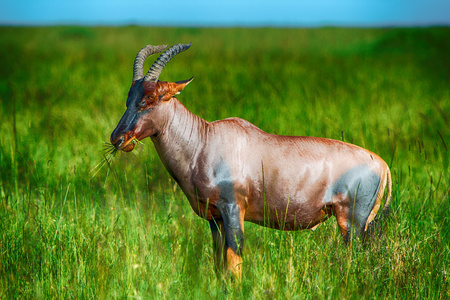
<point>284,182</point>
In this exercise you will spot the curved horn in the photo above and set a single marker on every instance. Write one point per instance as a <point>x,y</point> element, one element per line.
<point>138,68</point>
<point>160,63</point>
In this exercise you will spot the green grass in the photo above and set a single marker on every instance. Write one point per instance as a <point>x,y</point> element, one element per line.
<point>129,232</point>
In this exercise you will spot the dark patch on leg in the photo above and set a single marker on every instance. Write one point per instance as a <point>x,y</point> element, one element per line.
<point>228,208</point>
<point>234,237</point>
<point>361,185</point>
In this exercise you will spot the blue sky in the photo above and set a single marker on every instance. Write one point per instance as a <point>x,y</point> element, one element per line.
<point>227,13</point>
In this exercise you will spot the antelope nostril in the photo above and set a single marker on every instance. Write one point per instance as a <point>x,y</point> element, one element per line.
<point>119,142</point>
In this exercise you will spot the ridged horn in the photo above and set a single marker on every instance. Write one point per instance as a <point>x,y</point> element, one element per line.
<point>160,63</point>
<point>138,68</point>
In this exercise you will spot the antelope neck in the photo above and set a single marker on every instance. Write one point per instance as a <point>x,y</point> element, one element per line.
<point>180,139</point>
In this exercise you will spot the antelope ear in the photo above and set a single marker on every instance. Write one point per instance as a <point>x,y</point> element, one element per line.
<point>180,85</point>
<point>174,88</point>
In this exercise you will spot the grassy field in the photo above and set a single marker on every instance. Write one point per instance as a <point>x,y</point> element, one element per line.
<point>129,232</point>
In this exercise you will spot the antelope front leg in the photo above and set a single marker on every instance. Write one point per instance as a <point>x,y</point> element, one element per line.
<point>218,235</point>
<point>228,236</point>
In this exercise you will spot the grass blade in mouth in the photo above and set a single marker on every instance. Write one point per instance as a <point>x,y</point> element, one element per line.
<point>135,141</point>
<point>109,152</point>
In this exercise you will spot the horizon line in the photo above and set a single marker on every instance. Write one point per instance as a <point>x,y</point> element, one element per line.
<point>228,24</point>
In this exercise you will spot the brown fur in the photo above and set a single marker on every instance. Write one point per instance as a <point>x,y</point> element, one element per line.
<point>283,182</point>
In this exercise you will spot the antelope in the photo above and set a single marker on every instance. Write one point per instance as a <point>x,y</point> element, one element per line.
<point>231,171</point>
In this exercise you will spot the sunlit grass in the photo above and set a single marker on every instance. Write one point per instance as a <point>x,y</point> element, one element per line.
<point>79,220</point>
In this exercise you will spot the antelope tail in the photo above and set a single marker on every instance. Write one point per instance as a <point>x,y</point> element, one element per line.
<point>373,223</point>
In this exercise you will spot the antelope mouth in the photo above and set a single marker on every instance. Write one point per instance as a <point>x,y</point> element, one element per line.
<point>129,147</point>
<point>126,145</point>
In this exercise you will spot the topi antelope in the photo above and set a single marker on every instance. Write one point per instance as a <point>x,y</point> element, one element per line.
<point>231,171</point>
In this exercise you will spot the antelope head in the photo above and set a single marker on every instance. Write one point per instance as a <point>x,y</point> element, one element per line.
<point>147,98</point>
